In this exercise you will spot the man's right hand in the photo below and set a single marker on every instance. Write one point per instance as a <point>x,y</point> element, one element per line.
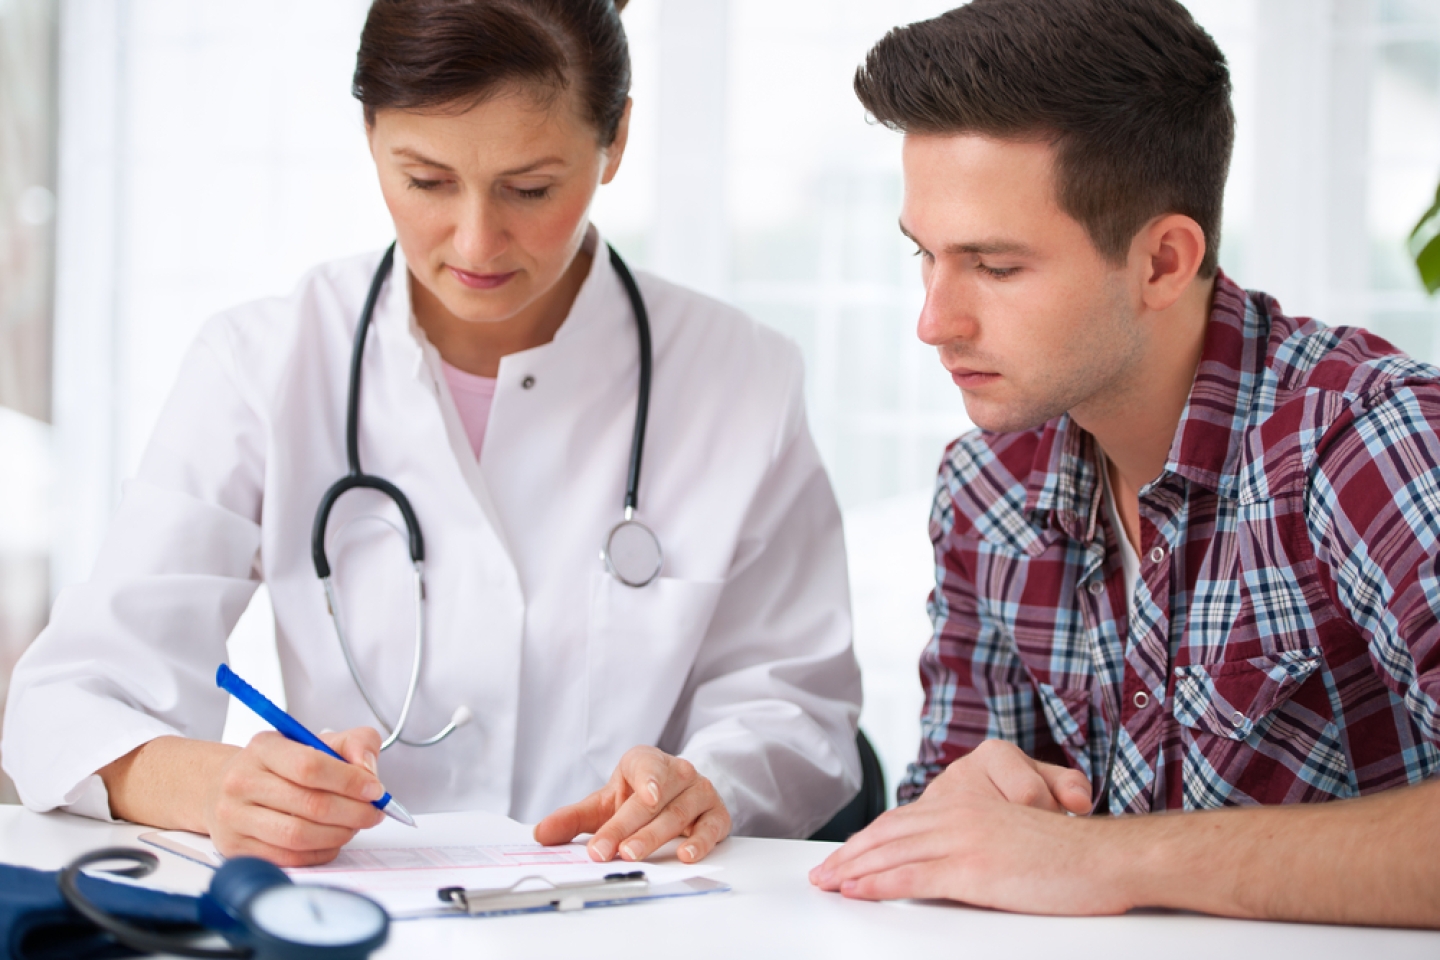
<point>999,768</point>
<point>292,804</point>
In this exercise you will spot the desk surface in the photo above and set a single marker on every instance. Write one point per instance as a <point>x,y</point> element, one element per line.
<point>774,912</point>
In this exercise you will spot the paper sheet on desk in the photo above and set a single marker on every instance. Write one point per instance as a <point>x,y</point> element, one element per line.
<point>403,867</point>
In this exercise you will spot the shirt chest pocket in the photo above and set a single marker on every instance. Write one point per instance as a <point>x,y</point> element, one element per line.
<point>1254,731</point>
<point>641,646</point>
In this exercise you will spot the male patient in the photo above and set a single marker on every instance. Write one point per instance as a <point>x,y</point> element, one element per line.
<point>1189,558</point>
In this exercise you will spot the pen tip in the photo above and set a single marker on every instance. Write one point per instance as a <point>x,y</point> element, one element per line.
<point>394,810</point>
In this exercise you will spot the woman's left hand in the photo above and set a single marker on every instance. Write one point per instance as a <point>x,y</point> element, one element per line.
<point>651,799</point>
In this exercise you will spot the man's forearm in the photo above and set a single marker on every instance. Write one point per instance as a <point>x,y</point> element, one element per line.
<point>1374,860</point>
<point>165,782</point>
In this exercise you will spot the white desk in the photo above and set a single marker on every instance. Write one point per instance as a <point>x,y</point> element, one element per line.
<point>774,912</point>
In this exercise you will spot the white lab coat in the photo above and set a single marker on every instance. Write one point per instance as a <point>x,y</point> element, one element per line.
<point>738,657</point>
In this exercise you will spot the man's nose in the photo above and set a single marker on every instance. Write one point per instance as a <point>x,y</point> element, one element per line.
<point>949,310</point>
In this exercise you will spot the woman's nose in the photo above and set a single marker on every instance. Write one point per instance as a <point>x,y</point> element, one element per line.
<point>480,234</point>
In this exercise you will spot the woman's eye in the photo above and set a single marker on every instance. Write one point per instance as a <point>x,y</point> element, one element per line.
<point>537,193</point>
<point>418,184</point>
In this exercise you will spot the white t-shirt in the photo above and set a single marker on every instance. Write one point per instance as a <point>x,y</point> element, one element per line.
<point>1129,559</point>
<point>473,396</point>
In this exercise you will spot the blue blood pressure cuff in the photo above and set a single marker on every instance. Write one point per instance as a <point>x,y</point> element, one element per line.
<point>37,924</point>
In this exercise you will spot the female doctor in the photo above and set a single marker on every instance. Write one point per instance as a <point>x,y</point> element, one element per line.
<point>695,679</point>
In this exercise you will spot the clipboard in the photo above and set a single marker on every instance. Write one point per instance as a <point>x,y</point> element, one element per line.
<point>531,894</point>
<point>157,838</point>
<point>537,895</point>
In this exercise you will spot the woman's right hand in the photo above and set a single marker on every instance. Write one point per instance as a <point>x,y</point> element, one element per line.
<point>292,804</point>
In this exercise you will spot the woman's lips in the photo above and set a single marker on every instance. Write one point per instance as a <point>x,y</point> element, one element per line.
<point>481,281</point>
<point>967,379</point>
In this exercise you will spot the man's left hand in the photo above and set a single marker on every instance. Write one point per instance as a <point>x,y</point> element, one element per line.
<point>651,799</point>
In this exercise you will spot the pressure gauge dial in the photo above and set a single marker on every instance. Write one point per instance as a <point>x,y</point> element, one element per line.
<point>303,921</point>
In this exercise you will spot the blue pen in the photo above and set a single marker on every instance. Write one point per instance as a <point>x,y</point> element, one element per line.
<point>227,680</point>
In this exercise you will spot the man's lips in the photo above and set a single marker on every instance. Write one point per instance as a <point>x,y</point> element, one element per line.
<point>481,281</point>
<point>965,377</point>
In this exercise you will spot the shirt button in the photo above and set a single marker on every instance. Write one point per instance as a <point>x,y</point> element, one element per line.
<point>1095,587</point>
<point>1237,719</point>
<point>1141,699</point>
<point>527,383</point>
<point>1157,554</point>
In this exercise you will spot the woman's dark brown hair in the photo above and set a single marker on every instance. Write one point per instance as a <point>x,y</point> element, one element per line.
<point>1133,94</point>
<point>426,54</point>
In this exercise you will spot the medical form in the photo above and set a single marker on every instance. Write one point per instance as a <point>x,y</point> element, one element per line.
<point>402,868</point>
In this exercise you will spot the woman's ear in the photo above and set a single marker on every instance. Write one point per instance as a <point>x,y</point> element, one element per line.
<point>1167,255</point>
<point>369,122</point>
<point>616,150</point>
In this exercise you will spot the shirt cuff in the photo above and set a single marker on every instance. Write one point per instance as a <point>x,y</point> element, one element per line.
<point>90,799</point>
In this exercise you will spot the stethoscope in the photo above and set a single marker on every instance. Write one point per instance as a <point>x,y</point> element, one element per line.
<point>251,903</point>
<point>631,551</point>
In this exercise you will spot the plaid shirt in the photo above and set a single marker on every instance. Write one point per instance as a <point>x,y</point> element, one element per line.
<point>1283,644</point>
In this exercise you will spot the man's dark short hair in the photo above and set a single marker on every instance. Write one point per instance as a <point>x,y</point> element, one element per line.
<point>1133,94</point>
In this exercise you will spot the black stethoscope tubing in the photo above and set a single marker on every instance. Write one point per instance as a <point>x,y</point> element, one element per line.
<point>631,552</point>
<point>127,934</point>
<point>642,400</point>
<point>356,477</point>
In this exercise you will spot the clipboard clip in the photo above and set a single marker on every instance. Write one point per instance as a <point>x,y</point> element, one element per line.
<point>562,897</point>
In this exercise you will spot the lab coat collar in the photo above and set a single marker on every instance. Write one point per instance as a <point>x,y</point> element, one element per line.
<point>395,313</point>
<point>599,285</point>
<point>394,319</point>
<point>601,311</point>
<point>587,320</point>
<point>600,326</point>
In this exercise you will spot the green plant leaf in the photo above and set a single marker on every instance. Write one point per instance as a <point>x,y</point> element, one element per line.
<point>1428,261</point>
<point>1428,216</point>
<point>1424,244</point>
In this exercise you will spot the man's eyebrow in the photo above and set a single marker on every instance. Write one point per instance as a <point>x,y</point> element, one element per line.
<point>533,165</point>
<point>981,247</point>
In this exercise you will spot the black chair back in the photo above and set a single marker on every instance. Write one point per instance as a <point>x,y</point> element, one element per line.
<point>868,804</point>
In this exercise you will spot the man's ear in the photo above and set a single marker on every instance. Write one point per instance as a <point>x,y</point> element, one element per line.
<point>1167,255</point>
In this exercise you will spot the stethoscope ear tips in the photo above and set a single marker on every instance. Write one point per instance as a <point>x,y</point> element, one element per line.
<point>461,716</point>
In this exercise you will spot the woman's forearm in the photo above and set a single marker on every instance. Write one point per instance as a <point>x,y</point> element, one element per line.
<point>166,782</point>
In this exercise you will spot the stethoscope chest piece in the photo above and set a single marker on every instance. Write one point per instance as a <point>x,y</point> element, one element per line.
<point>632,552</point>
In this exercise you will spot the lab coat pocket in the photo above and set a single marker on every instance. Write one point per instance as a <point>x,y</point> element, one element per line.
<point>641,647</point>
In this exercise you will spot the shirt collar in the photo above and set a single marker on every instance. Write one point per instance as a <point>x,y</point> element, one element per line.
<point>395,313</point>
<point>1064,475</point>
<point>1209,440</point>
<point>1064,479</point>
<point>596,287</point>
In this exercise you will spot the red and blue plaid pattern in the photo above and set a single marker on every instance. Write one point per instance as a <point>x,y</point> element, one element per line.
<point>1284,641</point>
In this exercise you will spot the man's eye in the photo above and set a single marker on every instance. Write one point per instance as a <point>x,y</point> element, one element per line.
<point>999,273</point>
